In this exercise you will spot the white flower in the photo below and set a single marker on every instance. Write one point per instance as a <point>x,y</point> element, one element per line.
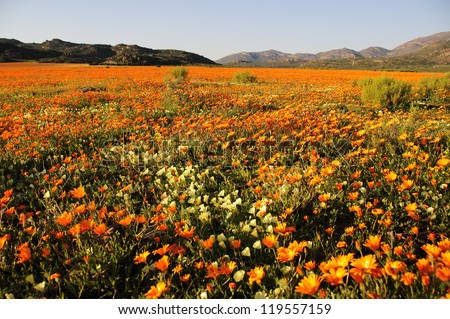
<point>246,252</point>
<point>239,275</point>
<point>257,244</point>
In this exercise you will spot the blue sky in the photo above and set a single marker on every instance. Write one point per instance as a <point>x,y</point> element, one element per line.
<point>218,28</point>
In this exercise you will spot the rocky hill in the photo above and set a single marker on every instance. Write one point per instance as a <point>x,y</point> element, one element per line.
<point>56,50</point>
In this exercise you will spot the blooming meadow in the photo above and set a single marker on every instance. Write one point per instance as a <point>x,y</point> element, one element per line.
<point>122,182</point>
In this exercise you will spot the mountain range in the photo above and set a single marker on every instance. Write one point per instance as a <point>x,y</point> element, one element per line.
<point>57,50</point>
<point>425,53</point>
<point>429,51</point>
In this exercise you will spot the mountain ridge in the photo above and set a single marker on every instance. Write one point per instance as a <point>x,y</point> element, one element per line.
<point>59,51</point>
<point>406,48</point>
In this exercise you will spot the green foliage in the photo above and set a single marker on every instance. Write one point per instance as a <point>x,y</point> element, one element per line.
<point>244,77</point>
<point>387,92</point>
<point>435,91</point>
<point>179,72</point>
<point>176,76</point>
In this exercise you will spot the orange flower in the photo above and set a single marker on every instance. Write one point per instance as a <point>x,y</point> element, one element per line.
<point>45,252</point>
<point>443,162</point>
<point>341,244</point>
<point>212,271</point>
<point>433,251</point>
<point>335,276</point>
<point>126,221</point>
<point>227,268</point>
<point>141,258</point>
<point>256,275</point>
<point>163,263</point>
<point>411,208</point>
<point>373,242</point>
<point>236,243</point>
<point>287,254</point>
<point>445,258</point>
<point>156,291</point>
<point>391,176</point>
<point>161,251</point>
<point>185,231</point>
<point>363,266</point>
<point>310,265</point>
<point>283,229</point>
<point>270,240</point>
<point>393,268</point>
<point>424,266</point>
<point>54,276</point>
<point>65,219</point>
<point>78,192</point>
<point>4,239</point>
<point>323,198</point>
<point>24,254</point>
<point>79,209</point>
<point>309,285</point>
<point>100,229</point>
<point>443,273</point>
<point>208,243</point>
<point>408,278</point>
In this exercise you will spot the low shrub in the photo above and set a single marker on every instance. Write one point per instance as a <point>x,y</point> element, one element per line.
<point>434,91</point>
<point>387,92</point>
<point>244,77</point>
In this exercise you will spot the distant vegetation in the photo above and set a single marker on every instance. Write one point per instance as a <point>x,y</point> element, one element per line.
<point>244,77</point>
<point>395,94</point>
<point>387,92</point>
<point>67,52</point>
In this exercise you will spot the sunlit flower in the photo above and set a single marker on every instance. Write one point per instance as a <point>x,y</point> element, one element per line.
<point>208,243</point>
<point>393,268</point>
<point>256,275</point>
<point>54,276</point>
<point>335,276</point>
<point>364,266</point>
<point>4,239</point>
<point>309,285</point>
<point>391,176</point>
<point>408,278</point>
<point>141,258</point>
<point>65,219</point>
<point>442,162</point>
<point>24,254</point>
<point>163,263</point>
<point>432,250</point>
<point>373,242</point>
<point>283,229</point>
<point>156,291</point>
<point>270,240</point>
<point>443,273</point>
<point>78,192</point>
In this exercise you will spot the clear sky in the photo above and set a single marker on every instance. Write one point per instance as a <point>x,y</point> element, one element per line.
<point>218,28</point>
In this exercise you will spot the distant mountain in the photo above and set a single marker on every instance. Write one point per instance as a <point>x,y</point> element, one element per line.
<point>419,43</point>
<point>57,50</point>
<point>338,54</point>
<point>434,47</point>
<point>374,52</point>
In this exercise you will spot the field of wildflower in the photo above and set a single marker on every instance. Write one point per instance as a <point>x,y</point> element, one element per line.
<point>130,182</point>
